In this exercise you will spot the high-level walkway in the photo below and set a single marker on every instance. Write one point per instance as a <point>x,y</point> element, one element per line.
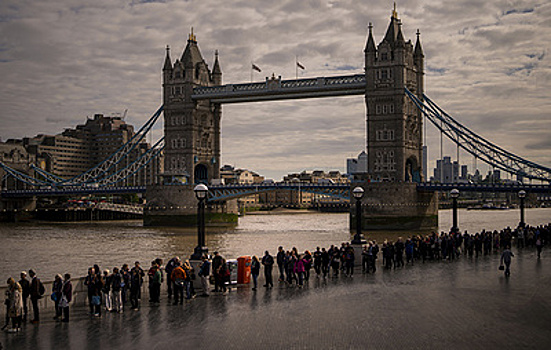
<point>466,304</point>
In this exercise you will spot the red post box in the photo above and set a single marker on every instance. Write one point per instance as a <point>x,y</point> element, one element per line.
<point>244,269</point>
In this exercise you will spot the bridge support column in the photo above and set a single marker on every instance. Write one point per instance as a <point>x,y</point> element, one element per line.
<point>176,205</point>
<point>396,207</point>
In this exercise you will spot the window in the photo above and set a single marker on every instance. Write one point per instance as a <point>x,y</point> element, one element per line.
<point>384,74</point>
<point>384,56</point>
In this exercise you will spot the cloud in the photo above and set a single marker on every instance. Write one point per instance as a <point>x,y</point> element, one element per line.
<point>487,65</point>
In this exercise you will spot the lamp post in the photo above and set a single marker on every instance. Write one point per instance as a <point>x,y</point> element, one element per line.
<point>201,192</point>
<point>521,196</point>
<point>358,193</point>
<point>454,194</point>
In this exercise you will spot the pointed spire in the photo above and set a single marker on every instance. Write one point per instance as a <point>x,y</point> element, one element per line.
<point>393,27</point>
<point>394,12</point>
<point>192,36</point>
<point>418,49</point>
<point>168,64</point>
<point>216,69</point>
<point>370,46</point>
<point>400,37</point>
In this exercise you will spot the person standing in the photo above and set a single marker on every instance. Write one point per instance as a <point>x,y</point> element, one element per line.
<point>56,295</point>
<point>178,275</point>
<point>325,261</point>
<point>299,270</point>
<point>36,292</point>
<point>188,285</point>
<point>170,266</point>
<point>125,274</point>
<point>96,290</point>
<point>155,281</point>
<point>216,266</point>
<point>26,288</point>
<point>66,297</point>
<point>280,258</point>
<point>106,289</point>
<point>14,294</point>
<point>136,280</point>
<point>204,272</point>
<point>506,258</point>
<point>116,291</point>
<point>255,271</point>
<point>89,281</point>
<point>317,261</point>
<point>268,262</point>
<point>539,245</point>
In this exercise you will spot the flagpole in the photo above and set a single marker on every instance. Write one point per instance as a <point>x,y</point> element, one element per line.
<point>296,67</point>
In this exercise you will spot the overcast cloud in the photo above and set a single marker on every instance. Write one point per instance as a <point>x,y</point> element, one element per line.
<point>488,65</point>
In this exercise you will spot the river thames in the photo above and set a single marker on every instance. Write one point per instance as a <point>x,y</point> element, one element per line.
<point>53,248</point>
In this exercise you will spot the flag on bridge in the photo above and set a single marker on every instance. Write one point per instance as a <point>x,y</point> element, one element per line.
<point>300,65</point>
<point>256,68</point>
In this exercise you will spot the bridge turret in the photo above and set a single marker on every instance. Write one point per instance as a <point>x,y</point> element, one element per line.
<point>216,71</point>
<point>167,75</point>
<point>419,61</point>
<point>370,49</point>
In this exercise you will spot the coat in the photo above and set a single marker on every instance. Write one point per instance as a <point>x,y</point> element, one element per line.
<point>15,295</point>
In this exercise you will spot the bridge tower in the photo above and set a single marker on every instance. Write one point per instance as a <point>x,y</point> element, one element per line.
<point>394,124</point>
<point>192,128</point>
<point>394,136</point>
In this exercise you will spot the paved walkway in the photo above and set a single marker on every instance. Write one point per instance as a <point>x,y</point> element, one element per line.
<point>463,304</point>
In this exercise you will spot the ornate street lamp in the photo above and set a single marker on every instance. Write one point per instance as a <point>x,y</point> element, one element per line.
<point>358,193</point>
<point>454,194</point>
<point>201,192</point>
<point>521,196</point>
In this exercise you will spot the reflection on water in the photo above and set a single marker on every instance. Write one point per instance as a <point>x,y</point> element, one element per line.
<point>70,247</point>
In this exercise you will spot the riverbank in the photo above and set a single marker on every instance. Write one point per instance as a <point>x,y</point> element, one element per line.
<point>456,304</point>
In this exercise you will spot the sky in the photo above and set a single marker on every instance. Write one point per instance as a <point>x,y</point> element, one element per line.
<point>487,64</point>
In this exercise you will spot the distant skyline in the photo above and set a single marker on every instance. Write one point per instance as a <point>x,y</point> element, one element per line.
<point>487,64</point>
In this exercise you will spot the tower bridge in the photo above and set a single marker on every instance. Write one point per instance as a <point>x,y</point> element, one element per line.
<point>393,89</point>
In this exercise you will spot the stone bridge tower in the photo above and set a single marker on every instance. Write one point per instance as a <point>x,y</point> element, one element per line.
<point>192,128</point>
<point>394,125</point>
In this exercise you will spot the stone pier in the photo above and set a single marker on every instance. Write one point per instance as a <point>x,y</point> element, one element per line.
<point>396,207</point>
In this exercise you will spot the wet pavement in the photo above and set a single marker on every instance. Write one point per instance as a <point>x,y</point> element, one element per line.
<point>467,303</point>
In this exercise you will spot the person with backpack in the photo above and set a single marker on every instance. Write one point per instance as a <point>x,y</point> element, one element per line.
<point>170,266</point>
<point>115,292</point>
<point>36,293</point>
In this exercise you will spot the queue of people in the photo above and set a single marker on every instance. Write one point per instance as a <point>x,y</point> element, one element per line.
<point>111,291</point>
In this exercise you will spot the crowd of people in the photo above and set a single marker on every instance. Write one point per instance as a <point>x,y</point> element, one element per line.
<point>112,290</point>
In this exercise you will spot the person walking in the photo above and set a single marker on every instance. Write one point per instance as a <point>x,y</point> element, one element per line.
<point>14,294</point>
<point>26,287</point>
<point>255,271</point>
<point>506,258</point>
<point>66,297</point>
<point>268,262</point>
<point>204,273</point>
<point>56,295</point>
<point>36,292</point>
<point>539,245</point>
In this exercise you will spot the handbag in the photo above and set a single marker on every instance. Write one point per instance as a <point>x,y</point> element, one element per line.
<point>96,300</point>
<point>54,296</point>
<point>501,267</point>
<point>63,303</point>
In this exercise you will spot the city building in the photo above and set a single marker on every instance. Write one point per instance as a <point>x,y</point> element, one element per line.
<point>358,165</point>
<point>74,151</point>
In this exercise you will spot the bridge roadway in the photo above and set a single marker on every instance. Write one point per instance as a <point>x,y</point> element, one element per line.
<point>222,192</point>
